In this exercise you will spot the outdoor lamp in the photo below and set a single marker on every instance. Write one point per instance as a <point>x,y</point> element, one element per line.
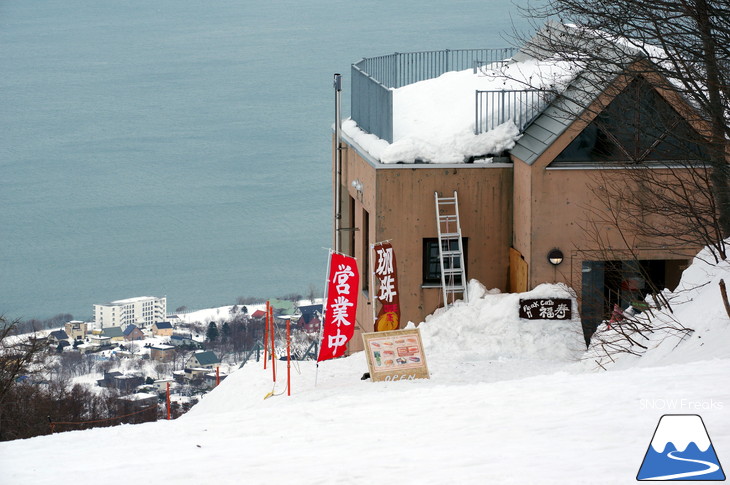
<point>555,257</point>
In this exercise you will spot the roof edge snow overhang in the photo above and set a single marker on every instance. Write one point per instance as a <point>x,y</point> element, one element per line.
<point>415,166</point>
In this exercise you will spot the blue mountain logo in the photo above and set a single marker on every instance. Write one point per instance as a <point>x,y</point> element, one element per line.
<point>681,450</point>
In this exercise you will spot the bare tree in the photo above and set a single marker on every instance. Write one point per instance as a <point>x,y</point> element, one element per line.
<point>650,82</point>
<point>682,48</point>
<point>18,353</point>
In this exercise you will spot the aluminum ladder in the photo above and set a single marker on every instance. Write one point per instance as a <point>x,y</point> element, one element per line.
<point>451,249</point>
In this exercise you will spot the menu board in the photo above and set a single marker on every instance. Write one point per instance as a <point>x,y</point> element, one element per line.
<point>395,355</point>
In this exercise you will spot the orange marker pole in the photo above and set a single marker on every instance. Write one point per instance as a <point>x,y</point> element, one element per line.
<point>273,344</point>
<point>288,357</point>
<point>266,334</point>
<point>168,401</point>
<point>217,376</point>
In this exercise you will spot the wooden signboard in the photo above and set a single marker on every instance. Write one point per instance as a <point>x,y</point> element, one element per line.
<point>546,309</point>
<point>395,355</point>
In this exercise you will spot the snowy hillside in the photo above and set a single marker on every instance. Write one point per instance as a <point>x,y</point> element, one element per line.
<point>509,401</point>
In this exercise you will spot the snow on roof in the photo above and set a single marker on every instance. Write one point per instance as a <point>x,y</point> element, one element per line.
<point>434,120</point>
<point>163,347</point>
<point>130,300</point>
<point>140,396</point>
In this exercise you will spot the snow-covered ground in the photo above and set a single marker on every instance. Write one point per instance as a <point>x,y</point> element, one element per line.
<point>508,401</point>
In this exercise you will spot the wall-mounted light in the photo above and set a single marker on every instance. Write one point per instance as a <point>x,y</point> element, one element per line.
<point>555,256</point>
<point>357,185</point>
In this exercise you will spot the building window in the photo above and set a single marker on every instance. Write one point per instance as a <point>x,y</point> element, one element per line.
<point>431,264</point>
<point>637,126</point>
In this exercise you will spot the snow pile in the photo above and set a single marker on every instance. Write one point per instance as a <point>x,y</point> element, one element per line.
<point>696,304</point>
<point>489,328</point>
<point>433,120</point>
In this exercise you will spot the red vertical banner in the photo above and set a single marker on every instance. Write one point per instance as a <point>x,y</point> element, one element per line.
<point>341,305</point>
<point>385,272</point>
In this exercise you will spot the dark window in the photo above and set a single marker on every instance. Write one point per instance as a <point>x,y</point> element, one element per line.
<point>638,125</point>
<point>431,264</point>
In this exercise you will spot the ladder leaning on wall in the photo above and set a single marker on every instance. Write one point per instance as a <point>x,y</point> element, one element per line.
<point>451,250</point>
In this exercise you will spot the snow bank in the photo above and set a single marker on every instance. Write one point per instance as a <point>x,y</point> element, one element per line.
<point>433,120</point>
<point>489,328</point>
<point>696,304</point>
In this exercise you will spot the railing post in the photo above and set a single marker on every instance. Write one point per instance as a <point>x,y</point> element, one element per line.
<point>396,61</point>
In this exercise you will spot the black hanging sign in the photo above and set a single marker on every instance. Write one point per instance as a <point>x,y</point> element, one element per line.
<point>546,309</point>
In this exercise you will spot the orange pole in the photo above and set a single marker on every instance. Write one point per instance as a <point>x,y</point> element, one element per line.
<point>288,357</point>
<point>217,376</point>
<point>266,334</point>
<point>168,401</point>
<point>273,344</point>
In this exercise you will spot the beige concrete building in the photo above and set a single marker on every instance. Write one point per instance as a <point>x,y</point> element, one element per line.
<point>76,329</point>
<point>537,198</point>
<point>141,311</point>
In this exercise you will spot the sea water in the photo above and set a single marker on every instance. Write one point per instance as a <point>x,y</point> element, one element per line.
<point>183,147</point>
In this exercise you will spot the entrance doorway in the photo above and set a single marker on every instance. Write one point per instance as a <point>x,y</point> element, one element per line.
<point>622,284</point>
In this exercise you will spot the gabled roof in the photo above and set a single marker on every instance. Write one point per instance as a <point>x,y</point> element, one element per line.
<point>161,325</point>
<point>130,328</point>
<point>309,311</point>
<point>113,332</point>
<point>258,314</point>
<point>283,306</point>
<point>59,335</point>
<point>206,358</point>
<point>563,110</point>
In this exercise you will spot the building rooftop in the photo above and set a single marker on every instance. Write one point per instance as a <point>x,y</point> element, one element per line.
<point>59,334</point>
<point>206,358</point>
<point>130,300</point>
<point>466,114</point>
<point>113,332</point>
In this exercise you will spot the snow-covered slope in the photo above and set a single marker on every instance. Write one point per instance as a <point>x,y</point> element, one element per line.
<point>508,402</point>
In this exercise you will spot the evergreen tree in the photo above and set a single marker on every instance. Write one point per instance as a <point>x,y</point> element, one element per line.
<point>212,333</point>
<point>226,331</point>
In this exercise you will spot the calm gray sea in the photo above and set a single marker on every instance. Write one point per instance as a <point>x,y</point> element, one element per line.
<point>182,147</point>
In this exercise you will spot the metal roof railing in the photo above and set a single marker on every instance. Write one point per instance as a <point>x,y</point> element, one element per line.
<point>373,80</point>
<point>519,106</point>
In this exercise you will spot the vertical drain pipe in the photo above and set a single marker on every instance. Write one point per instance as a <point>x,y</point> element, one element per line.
<point>338,165</point>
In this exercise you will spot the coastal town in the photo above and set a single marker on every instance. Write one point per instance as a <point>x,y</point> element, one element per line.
<point>152,364</point>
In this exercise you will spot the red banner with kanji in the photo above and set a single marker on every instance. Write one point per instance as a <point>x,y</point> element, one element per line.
<point>340,307</point>
<point>385,272</point>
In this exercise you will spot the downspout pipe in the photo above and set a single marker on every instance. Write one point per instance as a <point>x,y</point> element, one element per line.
<point>338,164</point>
